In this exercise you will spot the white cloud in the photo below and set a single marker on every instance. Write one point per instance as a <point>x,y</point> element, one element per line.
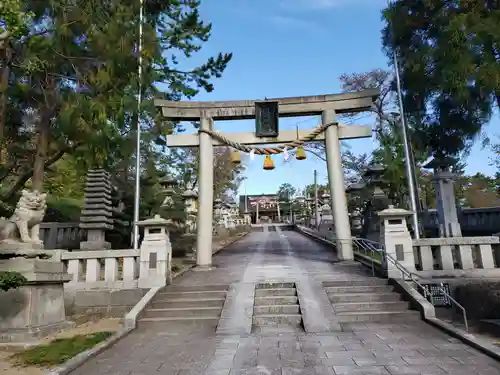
<point>292,22</point>
<point>330,4</point>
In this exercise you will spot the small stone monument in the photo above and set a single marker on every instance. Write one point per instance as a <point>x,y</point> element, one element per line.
<point>97,212</point>
<point>444,180</point>
<point>396,239</point>
<point>36,308</point>
<point>155,253</point>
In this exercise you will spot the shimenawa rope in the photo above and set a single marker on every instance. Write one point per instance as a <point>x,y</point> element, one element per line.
<point>269,150</point>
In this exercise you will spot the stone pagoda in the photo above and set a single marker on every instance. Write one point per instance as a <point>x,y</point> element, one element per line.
<point>97,212</point>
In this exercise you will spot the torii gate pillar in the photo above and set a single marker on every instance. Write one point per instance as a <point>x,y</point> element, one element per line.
<point>205,197</point>
<point>337,189</point>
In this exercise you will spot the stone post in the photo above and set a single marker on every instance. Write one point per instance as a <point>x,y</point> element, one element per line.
<point>206,197</point>
<point>337,187</point>
<point>155,254</point>
<point>396,239</point>
<point>97,212</point>
<point>445,198</point>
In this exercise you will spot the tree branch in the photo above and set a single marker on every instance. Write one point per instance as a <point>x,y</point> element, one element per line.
<point>21,181</point>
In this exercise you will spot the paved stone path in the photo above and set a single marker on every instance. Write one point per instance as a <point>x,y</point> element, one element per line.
<point>283,256</point>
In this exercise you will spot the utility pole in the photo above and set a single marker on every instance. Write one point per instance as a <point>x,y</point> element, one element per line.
<point>316,208</point>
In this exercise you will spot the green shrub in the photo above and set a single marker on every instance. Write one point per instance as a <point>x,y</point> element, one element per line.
<point>481,300</point>
<point>11,280</point>
<point>63,210</point>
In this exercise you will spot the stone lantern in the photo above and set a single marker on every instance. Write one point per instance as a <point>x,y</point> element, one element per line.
<point>374,174</point>
<point>355,216</point>
<point>169,185</point>
<point>189,196</point>
<point>378,201</point>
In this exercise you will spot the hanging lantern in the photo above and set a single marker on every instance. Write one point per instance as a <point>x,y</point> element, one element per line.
<point>268,163</point>
<point>235,157</point>
<point>300,154</point>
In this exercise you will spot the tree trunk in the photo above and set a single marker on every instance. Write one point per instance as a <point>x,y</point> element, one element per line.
<point>4,84</point>
<point>42,144</point>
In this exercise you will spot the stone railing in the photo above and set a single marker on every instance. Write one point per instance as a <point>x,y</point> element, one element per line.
<point>457,256</point>
<point>102,269</point>
<point>61,235</point>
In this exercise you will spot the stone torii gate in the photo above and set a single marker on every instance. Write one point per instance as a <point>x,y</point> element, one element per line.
<point>328,106</point>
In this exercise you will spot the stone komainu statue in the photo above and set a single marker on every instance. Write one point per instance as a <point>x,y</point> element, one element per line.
<point>24,224</point>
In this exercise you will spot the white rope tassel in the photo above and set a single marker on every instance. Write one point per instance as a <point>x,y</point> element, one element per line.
<point>285,154</point>
<point>252,155</point>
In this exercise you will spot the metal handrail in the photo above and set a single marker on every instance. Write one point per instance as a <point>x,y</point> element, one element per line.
<point>374,247</point>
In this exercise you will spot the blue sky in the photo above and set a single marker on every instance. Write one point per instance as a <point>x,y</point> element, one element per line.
<point>294,48</point>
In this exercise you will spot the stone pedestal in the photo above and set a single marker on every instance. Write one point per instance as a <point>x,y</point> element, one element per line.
<point>397,241</point>
<point>37,308</point>
<point>155,254</point>
<point>97,212</point>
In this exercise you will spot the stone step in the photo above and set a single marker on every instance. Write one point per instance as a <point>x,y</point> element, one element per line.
<point>195,288</point>
<point>192,295</point>
<point>276,330</point>
<point>276,300</point>
<point>378,316</point>
<point>274,285</point>
<point>179,323</point>
<point>187,303</point>
<point>293,320</point>
<point>364,297</point>
<point>371,306</point>
<point>213,312</point>
<point>276,309</point>
<point>268,292</point>
<point>355,282</point>
<point>360,289</point>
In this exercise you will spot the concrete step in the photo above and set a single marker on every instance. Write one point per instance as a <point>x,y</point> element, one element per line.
<point>276,300</point>
<point>268,292</point>
<point>360,289</point>
<point>274,285</point>
<point>293,320</point>
<point>378,316</point>
<point>191,295</point>
<point>371,306</point>
<point>276,309</point>
<point>196,312</point>
<point>364,297</point>
<point>355,282</point>
<point>195,288</point>
<point>187,303</point>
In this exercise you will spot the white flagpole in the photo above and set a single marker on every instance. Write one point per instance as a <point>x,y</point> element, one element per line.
<point>138,130</point>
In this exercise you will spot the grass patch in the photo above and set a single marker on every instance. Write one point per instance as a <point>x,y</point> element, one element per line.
<point>60,350</point>
<point>175,268</point>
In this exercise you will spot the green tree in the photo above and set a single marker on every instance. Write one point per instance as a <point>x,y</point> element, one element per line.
<point>73,83</point>
<point>286,192</point>
<point>450,71</point>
